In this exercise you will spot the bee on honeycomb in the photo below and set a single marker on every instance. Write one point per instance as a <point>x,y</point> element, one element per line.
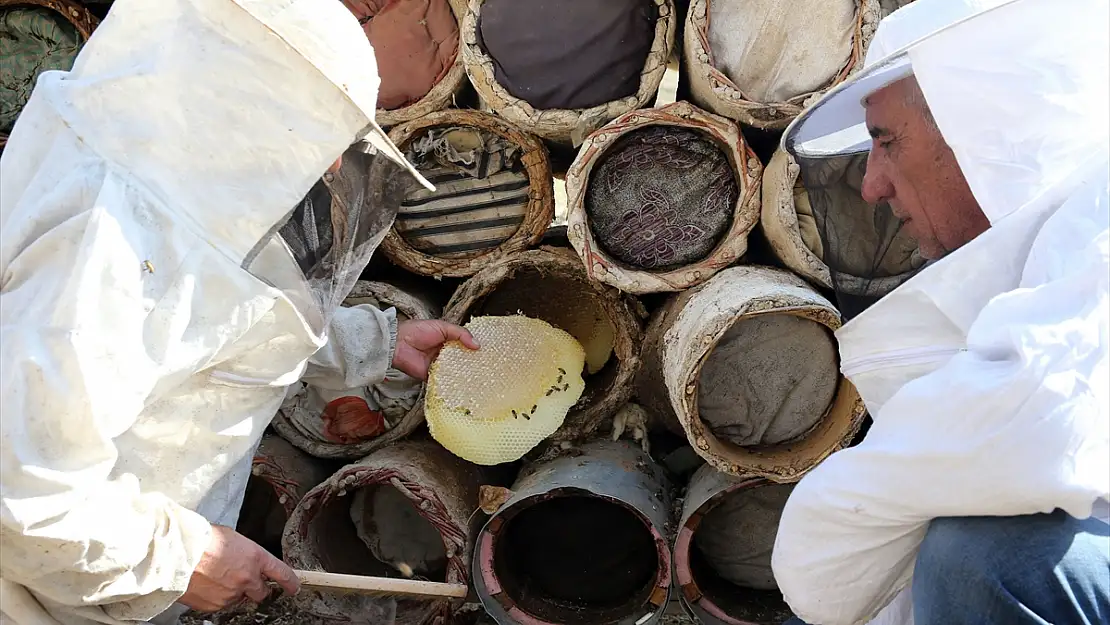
<point>493,405</point>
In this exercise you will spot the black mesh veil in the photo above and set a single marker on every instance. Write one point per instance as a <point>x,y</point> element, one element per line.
<point>865,248</point>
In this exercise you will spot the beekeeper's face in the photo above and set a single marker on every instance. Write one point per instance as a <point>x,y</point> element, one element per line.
<point>912,168</point>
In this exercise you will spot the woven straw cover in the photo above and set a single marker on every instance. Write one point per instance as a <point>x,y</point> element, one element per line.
<point>563,125</point>
<point>84,21</point>
<point>414,305</point>
<point>683,333</point>
<point>600,400</point>
<point>541,206</point>
<point>599,265</point>
<point>715,92</point>
<point>442,94</point>
<point>779,221</point>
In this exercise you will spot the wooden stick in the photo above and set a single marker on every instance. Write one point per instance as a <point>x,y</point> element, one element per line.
<point>386,586</point>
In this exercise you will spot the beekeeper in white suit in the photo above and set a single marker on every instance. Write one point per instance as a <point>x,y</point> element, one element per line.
<point>160,292</point>
<point>979,494</point>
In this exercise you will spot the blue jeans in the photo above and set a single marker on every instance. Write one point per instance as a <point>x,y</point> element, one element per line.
<point>1043,569</point>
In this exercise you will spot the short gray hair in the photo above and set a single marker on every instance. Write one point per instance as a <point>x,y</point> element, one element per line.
<point>915,98</point>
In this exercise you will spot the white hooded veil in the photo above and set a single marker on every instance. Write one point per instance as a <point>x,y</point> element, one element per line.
<point>986,374</point>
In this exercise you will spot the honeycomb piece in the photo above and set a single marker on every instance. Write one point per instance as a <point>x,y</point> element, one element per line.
<point>576,310</point>
<point>494,404</point>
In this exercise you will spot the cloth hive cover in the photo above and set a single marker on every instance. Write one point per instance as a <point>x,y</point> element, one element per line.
<point>481,197</point>
<point>572,54</point>
<point>737,537</point>
<point>770,379</point>
<point>32,40</point>
<point>415,43</point>
<point>774,50</point>
<point>662,197</point>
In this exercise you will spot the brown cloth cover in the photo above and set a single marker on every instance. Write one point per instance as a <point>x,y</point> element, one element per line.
<point>568,54</point>
<point>662,197</point>
<point>415,43</point>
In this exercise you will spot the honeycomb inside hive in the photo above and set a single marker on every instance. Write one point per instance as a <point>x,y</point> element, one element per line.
<point>494,404</point>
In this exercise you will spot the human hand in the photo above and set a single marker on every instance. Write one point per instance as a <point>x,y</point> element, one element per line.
<point>234,568</point>
<point>419,342</point>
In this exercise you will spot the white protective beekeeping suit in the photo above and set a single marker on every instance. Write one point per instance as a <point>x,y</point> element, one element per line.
<point>987,373</point>
<point>153,313</point>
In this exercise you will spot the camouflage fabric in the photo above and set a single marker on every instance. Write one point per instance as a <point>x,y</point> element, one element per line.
<point>32,40</point>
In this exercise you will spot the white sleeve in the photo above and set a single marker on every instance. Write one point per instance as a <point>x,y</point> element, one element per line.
<point>359,350</point>
<point>1017,424</point>
<point>82,353</point>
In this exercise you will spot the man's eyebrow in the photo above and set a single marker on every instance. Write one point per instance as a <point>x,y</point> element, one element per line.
<point>878,131</point>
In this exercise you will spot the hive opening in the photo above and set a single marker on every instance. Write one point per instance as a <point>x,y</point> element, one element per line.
<point>730,554</point>
<point>415,44</point>
<point>575,54</point>
<point>776,50</point>
<point>376,530</point>
<point>482,192</point>
<point>263,516</point>
<point>576,558</point>
<point>662,197</point>
<point>569,304</point>
<point>769,380</point>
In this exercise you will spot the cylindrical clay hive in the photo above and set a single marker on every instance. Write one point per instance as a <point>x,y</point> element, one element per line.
<point>760,62</point>
<point>746,366</point>
<point>661,199</point>
<point>582,539</point>
<point>350,423</point>
<point>845,243</point>
<point>722,553</point>
<point>549,284</point>
<point>416,45</point>
<point>561,70</point>
<point>493,194</point>
<point>403,511</point>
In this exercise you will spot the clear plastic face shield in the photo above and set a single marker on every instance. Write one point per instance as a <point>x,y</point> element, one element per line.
<point>867,251</point>
<point>316,255</point>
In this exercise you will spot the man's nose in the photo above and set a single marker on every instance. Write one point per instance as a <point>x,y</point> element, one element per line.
<point>877,188</point>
